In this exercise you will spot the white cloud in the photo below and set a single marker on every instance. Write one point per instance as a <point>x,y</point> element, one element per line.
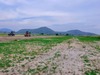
<point>8,2</point>
<point>13,2</point>
<point>48,12</point>
<point>8,15</point>
<point>33,12</point>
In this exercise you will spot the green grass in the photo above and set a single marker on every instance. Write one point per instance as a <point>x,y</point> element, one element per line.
<point>2,34</point>
<point>57,54</point>
<point>92,72</point>
<point>85,58</point>
<point>88,38</point>
<point>40,68</point>
<point>13,52</point>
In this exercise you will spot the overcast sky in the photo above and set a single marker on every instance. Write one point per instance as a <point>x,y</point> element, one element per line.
<point>60,15</point>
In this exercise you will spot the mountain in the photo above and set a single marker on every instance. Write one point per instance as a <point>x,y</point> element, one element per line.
<point>5,30</point>
<point>44,30</point>
<point>78,32</point>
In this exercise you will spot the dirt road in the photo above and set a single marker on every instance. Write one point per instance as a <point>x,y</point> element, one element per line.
<point>18,37</point>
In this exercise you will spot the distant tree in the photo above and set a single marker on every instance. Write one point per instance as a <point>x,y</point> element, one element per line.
<point>67,34</point>
<point>57,34</point>
<point>42,33</point>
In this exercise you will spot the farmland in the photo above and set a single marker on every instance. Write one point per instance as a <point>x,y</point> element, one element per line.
<point>50,55</point>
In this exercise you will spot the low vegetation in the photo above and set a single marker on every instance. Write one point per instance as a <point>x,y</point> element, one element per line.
<point>17,53</point>
<point>92,72</point>
<point>88,38</point>
<point>13,52</point>
<point>2,34</point>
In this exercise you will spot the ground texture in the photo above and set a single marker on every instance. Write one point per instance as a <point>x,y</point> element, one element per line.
<point>70,57</point>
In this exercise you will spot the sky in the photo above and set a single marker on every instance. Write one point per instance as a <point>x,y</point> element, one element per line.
<point>59,15</point>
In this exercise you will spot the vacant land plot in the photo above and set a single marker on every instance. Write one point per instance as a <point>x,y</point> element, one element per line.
<point>19,37</point>
<point>63,55</point>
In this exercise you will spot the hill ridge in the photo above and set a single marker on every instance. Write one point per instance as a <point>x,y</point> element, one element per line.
<point>47,30</point>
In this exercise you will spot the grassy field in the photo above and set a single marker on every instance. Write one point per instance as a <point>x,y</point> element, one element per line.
<point>13,52</point>
<point>92,60</point>
<point>88,38</point>
<point>19,52</point>
<point>1,34</point>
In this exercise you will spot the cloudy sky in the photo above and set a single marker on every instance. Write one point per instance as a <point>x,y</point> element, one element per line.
<point>60,15</point>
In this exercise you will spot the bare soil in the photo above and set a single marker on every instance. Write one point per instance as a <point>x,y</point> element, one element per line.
<point>66,58</point>
<point>18,37</point>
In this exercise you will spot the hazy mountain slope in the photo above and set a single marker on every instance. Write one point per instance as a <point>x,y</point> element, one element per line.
<point>44,30</point>
<point>5,30</point>
<point>78,32</point>
<point>47,30</point>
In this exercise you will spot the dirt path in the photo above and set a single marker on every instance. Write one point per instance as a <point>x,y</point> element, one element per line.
<point>63,59</point>
<point>18,37</point>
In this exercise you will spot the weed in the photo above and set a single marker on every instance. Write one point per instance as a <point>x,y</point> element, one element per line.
<point>16,51</point>
<point>85,58</point>
<point>88,38</point>
<point>91,72</point>
<point>97,47</point>
<point>57,54</point>
<point>40,68</point>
